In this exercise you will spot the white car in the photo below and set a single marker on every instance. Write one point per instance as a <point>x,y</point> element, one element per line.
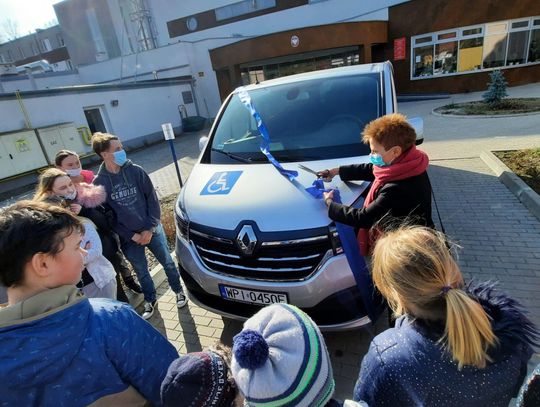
<point>247,236</point>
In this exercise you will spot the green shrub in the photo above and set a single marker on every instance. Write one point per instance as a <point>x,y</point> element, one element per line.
<point>496,91</point>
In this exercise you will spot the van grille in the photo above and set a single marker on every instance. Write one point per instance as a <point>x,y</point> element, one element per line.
<point>276,260</point>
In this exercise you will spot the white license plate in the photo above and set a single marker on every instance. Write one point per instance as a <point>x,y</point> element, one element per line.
<point>252,296</point>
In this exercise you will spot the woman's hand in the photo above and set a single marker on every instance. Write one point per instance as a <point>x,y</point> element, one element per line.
<point>328,174</point>
<point>75,208</point>
<point>328,197</point>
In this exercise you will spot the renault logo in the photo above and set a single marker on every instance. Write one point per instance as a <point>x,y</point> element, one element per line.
<point>246,240</point>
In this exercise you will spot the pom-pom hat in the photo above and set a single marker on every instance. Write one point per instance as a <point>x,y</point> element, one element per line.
<point>197,379</point>
<point>280,359</point>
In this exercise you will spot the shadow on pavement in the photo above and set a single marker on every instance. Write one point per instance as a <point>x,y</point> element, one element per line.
<point>499,237</point>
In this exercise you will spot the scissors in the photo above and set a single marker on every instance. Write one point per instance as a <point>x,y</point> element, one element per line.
<point>303,167</point>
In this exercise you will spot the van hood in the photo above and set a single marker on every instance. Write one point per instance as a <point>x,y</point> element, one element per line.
<point>222,196</point>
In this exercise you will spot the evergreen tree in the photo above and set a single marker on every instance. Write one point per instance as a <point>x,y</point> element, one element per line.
<point>496,91</point>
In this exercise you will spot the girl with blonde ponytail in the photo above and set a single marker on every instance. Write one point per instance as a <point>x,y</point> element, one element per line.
<point>453,344</point>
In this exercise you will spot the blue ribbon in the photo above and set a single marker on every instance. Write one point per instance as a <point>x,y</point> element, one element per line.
<point>370,297</point>
<point>265,140</point>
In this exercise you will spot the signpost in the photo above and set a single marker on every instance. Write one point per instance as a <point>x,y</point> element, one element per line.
<point>169,136</point>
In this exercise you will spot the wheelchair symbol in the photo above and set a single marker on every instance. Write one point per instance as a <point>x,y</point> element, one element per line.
<point>221,183</point>
<point>218,185</point>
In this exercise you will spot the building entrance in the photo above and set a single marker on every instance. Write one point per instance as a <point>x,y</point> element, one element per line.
<point>258,71</point>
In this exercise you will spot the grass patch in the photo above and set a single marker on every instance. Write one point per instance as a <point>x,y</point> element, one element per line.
<point>525,163</point>
<point>507,106</point>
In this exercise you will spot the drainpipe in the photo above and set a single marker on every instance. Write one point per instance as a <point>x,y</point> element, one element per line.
<point>31,78</point>
<point>23,109</point>
<point>192,86</point>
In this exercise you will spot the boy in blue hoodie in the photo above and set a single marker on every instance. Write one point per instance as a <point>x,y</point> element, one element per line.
<point>131,195</point>
<point>59,347</point>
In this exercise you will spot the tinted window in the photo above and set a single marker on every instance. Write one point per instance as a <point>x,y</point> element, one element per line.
<point>308,120</point>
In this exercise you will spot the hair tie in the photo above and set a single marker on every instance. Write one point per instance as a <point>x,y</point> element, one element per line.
<point>445,289</point>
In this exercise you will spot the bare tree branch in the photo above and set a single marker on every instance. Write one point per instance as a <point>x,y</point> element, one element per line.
<point>11,29</point>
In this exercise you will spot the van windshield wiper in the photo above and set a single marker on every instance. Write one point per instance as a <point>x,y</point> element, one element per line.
<point>295,158</point>
<point>233,156</point>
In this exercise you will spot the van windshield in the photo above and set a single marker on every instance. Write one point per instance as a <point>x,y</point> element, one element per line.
<point>314,119</point>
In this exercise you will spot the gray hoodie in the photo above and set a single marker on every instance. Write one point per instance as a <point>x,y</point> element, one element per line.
<point>131,194</point>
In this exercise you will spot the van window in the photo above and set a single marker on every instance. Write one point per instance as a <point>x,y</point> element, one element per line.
<point>307,120</point>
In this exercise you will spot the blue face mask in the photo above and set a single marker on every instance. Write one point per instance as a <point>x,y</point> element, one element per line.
<point>120,157</point>
<point>376,159</point>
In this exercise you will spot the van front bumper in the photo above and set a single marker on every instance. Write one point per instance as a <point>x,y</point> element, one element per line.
<point>329,295</point>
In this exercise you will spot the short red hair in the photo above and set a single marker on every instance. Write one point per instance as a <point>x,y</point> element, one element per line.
<point>389,131</point>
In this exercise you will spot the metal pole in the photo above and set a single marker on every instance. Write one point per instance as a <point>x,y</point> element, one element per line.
<point>171,144</point>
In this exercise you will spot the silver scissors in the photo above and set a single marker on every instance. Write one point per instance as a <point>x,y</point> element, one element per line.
<point>303,167</point>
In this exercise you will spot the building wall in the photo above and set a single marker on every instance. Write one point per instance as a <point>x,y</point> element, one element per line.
<point>140,111</point>
<point>425,16</point>
<point>40,81</point>
<point>72,17</point>
<point>168,61</point>
<point>361,34</point>
<point>203,42</point>
<point>188,54</point>
<point>31,48</point>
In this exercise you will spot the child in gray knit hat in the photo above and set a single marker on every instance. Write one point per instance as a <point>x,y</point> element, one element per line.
<point>280,359</point>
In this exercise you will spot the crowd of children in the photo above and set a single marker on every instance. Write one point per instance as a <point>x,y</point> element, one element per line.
<point>65,340</point>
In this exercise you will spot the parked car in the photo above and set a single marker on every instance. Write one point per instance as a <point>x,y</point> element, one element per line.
<point>246,235</point>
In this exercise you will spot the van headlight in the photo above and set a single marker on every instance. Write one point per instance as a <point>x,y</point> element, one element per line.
<point>182,222</point>
<point>337,248</point>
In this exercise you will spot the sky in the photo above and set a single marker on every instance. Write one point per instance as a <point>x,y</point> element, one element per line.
<point>29,14</point>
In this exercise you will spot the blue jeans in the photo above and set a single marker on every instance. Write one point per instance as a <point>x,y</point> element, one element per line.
<point>136,256</point>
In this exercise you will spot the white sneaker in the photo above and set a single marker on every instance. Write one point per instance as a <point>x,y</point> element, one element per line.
<point>149,308</point>
<point>181,299</point>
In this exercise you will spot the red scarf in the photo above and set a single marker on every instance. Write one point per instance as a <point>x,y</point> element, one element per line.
<point>410,164</point>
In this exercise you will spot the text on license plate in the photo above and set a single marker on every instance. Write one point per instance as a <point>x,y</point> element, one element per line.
<point>251,296</point>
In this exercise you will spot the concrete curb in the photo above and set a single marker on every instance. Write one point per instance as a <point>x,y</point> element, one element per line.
<point>519,188</point>
<point>481,116</point>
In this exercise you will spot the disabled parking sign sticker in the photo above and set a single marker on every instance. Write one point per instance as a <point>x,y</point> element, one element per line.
<point>221,183</point>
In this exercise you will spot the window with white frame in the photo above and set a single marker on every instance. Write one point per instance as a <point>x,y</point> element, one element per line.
<point>487,46</point>
<point>534,43</point>
<point>46,45</point>
<point>495,41</point>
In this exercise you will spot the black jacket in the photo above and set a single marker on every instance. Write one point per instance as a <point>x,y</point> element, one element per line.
<point>409,198</point>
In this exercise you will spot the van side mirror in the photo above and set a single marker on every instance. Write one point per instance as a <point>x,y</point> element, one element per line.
<point>418,125</point>
<point>202,142</point>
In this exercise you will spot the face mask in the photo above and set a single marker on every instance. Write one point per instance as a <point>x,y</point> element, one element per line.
<point>376,159</point>
<point>71,196</point>
<point>75,172</point>
<point>120,157</point>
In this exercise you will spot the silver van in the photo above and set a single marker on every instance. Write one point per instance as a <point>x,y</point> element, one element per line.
<point>247,236</point>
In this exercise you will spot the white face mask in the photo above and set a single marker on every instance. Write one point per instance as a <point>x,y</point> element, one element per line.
<point>74,172</point>
<point>71,196</point>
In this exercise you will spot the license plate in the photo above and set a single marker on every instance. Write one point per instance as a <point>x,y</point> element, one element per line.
<point>251,296</point>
